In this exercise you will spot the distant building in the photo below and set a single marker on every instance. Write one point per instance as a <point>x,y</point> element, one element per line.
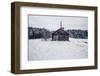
<point>60,34</point>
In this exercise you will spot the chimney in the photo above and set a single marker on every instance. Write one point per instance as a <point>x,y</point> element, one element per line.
<point>61,25</point>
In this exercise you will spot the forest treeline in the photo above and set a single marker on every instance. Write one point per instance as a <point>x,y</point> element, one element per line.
<point>35,33</point>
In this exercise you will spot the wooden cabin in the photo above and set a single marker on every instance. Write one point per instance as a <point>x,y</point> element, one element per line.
<point>60,34</point>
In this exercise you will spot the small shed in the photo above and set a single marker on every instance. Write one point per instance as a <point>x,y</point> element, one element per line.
<point>60,34</point>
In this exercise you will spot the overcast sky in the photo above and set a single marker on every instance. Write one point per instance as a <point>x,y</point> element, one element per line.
<point>53,22</point>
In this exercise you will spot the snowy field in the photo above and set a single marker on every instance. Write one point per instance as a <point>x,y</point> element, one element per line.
<point>57,50</point>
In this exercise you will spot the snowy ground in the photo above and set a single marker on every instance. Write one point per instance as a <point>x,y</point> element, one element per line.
<point>54,50</point>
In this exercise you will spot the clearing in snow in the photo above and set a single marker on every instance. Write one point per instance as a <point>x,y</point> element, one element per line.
<point>40,49</point>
